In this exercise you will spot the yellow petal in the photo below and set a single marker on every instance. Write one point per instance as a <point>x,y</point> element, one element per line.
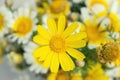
<point>70,29</point>
<point>77,36</point>
<point>66,62</point>
<point>40,53</point>
<point>75,53</point>
<point>43,32</point>
<point>54,63</point>
<point>88,23</point>
<point>40,40</point>
<point>52,76</point>
<point>52,25</point>
<point>77,44</point>
<point>48,59</point>
<point>61,24</point>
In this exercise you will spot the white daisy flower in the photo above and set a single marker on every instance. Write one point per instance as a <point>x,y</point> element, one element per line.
<point>23,24</point>
<point>5,17</point>
<point>93,28</point>
<point>35,66</point>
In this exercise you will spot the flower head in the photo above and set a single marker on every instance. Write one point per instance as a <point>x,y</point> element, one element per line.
<point>58,7</point>
<point>96,73</point>
<point>109,52</point>
<point>57,43</point>
<point>23,24</point>
<point>96,31</point>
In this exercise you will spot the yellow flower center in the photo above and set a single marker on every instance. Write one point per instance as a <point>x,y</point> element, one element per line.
<point>1,21</point>
<point>109,52</point>
<point>58,6</point>
<point>57,44</point>
<point>92,33</point>
<point>23,25</point>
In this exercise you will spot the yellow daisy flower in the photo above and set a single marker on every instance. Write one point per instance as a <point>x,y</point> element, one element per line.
<point>58,7</point>
<point>96,73</point>
<point>57,43</point>
<point>96,31</point>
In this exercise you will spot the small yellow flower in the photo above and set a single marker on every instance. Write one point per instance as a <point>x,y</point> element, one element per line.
<point>57,43</point>
<point>96,73</point>
<point>95,29</point>
<point>96,33</point>
<point>109,52</point>
<point>58,7</point>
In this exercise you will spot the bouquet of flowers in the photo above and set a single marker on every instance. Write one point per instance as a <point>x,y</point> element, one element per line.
<point>63,39</point>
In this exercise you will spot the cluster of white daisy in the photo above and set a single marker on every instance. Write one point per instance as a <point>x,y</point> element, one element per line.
<point>17,27</point>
